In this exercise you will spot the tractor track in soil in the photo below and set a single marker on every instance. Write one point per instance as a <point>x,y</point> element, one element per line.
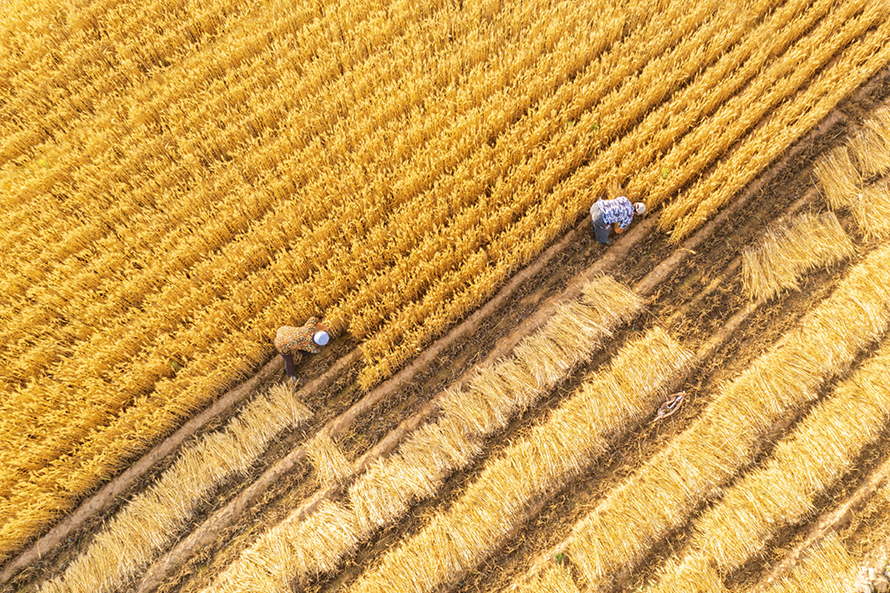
<point>673,278</point>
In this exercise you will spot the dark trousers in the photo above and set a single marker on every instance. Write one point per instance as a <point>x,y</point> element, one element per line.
<point>600,228</point>
<point>289,366</point>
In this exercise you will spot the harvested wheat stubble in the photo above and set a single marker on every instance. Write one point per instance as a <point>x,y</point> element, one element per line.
<point>828,568</point>
<point>553,579</point>
<point>429,455</point>
<point>531,469</point>
<point>820,450</point>
<point>330,465</point>
<point>148,523</point>
<point>784,254</point>
<point>664,491</point>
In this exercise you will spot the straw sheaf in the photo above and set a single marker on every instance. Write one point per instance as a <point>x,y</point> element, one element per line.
<point>871,146</point>
<point>610,302</point>
<point>692,574</point>
<point>826,569</point>
<point>870,207</point>
<point>837,177</point>
<point>292,548</point>
<point>331,466</point>
<point>388,488</point>
<point>664,491</point>
<point>460,537</point>
<point>783,255</point>
<point>151,520</point>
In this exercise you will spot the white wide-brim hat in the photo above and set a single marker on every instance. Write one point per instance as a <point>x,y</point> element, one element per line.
<point>639,207</point>
<point>321,338</point>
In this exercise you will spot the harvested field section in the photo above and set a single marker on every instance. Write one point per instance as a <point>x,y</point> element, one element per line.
<point>497,503</point>
<point>663,493</point>
<point>149,522</point>
<point>820,450</point>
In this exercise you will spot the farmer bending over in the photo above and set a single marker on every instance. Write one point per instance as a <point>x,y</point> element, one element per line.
<point>605,213</point>
<point>309,338</point>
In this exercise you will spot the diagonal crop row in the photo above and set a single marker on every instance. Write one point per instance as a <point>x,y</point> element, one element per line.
<point>531,468</point>
<point>783,254</point>
<point>790,121</point>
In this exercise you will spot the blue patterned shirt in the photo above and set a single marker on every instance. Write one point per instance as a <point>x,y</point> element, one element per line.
<point>619,210</point>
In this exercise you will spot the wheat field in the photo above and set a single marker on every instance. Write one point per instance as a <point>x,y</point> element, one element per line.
<point>178,179</point>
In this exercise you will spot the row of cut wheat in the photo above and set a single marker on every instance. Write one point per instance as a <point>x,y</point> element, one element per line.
<point>783,254</point>
<point>151,520</point>
<point>457,539</point>
<point>297,548</point>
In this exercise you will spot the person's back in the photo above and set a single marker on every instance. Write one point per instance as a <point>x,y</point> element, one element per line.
<point>291,340</point>
<point>618,212</point>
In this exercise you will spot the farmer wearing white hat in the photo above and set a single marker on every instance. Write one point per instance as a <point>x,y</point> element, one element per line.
<point>618,212</point>
<point>308,338</point>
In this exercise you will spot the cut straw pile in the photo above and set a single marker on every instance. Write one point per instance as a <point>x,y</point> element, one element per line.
<point>663,493</point>
<point>827,568</point>
<point>330,465</point>
<point>847,176</point>
<point>820,450</point>
<point>576,434</point>
<point>783,255</point>
<point>432,453</point>
<point>148,524</point>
